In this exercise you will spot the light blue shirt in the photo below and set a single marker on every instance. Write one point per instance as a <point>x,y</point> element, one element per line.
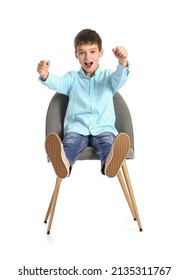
<point>90,108</point>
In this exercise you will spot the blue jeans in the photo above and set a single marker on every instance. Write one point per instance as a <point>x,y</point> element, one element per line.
<point>74,143</point>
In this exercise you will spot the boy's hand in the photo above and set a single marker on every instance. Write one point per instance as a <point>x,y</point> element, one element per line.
<point>121,54</point>
<point>43,68</point>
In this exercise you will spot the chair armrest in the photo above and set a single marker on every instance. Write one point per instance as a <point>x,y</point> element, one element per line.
<point>56,113</point>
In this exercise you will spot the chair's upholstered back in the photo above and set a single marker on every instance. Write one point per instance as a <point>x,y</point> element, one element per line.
<point>55,120</point>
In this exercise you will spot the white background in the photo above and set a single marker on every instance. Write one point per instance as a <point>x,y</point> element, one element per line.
<point>92,226</point>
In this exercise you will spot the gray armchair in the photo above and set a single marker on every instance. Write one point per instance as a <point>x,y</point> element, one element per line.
<point>55,123</point>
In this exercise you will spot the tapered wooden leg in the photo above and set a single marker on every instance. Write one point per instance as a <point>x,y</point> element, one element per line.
<point>122,183</point>
<point>129,187</point>
<point>51,208</point>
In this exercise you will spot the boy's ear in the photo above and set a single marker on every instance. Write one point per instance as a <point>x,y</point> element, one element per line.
<point>101,52</point>
<point>75,54</point>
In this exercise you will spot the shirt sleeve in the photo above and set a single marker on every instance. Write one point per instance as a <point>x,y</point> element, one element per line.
<point>58,83</point>
<point>119,77</point>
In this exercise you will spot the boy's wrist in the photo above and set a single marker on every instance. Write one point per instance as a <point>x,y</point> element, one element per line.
<point>124,64</point>
<point>44,78</point>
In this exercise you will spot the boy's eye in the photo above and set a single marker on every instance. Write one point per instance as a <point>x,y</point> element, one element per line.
<point>83,53</point>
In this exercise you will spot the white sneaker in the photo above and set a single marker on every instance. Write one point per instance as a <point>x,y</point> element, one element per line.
<point>56,155</point>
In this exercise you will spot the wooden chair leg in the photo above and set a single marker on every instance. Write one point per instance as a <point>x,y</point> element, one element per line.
<point>122,183</point>
<point>129,187</point>
<point>49,208</point>
<point>52,205</point>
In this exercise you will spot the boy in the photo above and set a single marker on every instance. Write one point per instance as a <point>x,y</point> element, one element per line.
<point>90,116</point>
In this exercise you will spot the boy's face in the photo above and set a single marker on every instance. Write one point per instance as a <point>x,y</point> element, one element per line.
<point>88,57</point>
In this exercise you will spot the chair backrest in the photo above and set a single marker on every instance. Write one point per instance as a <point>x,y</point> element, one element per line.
<point>55,121</point>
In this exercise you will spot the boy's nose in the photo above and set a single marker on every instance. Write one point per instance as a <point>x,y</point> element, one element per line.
<point>87,55</point>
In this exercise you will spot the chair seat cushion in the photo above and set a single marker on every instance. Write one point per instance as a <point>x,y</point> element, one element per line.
<point>89,153</point>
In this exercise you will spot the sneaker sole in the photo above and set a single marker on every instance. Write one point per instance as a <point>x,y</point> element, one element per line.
<point>120,147</point>
<point>53,148</point>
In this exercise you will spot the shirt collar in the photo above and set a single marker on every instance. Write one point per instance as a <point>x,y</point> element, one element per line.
<point>97,72</point>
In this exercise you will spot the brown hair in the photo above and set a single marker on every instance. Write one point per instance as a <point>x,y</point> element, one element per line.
<point>88,36</point>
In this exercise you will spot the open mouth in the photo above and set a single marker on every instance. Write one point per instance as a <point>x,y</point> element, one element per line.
<point>88,64</point>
